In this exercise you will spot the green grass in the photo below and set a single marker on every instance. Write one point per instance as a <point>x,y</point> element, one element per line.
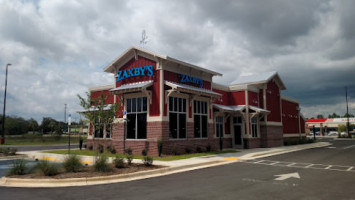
<point>41,140</point>
<point>167,158</point>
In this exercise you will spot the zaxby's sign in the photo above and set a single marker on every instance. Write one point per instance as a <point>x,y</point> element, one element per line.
<point>191,79</point>
<point>138,71</point>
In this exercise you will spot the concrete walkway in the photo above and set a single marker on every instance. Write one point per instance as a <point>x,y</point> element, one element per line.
<point>171,166</point>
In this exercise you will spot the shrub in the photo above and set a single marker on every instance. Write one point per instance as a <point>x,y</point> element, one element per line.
<point>144,152</point>
<point>6,151</point>
<point>91,147</point>
<point>129,158</point>
<point>208,148</point>
<point>101,165</point>
<point>12,151</point>
<point>160,147</point>
<point>1,150</point>
<point>111,149</point>
<point>175,151</point>
<point>128,151</point>
<point>47,168</point>
<point>119,162</point>
<point>72,164</point>
<point>198,149</point>
<point>187,150</point>
<point>100,148</point>
<point>147,161</point>
<point>18,167</point>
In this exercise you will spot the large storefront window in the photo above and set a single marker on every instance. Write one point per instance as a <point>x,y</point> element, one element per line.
<point>219,126</point>
<point>254,127</point>
<point>177,117</point>
<point>99,130</point>
<point>200,119</point>
<point>137,118</point>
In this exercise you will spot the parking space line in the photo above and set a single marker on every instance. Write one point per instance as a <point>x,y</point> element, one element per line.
<point>348,147</point>
<point>308,166</point>
<point>329,167</point>
<point>304,165</point>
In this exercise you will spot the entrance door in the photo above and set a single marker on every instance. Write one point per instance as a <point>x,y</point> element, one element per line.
<point>238,130</point>
<point>237,135</point>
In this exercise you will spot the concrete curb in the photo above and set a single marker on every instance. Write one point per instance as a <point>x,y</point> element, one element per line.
<point>46,183</point>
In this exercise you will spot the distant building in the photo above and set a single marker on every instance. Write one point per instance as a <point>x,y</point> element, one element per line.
<point>177,102</point>
<point>326,125</point>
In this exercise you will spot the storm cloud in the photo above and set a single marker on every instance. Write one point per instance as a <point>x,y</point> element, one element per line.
<point>59,48</point>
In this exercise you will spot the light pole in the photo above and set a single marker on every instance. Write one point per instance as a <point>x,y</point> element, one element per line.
<point>2,141</point>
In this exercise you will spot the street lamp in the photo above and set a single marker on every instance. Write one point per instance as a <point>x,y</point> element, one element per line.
<point>2,141</point>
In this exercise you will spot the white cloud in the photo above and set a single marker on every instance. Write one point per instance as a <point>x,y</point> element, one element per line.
<point>59,48</point>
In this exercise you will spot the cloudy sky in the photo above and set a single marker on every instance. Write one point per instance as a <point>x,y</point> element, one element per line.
<point>59,48</point>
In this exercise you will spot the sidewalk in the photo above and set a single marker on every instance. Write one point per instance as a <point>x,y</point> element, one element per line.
<point>176,166</point>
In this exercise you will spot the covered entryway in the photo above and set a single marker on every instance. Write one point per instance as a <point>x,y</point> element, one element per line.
<point>237,132</point>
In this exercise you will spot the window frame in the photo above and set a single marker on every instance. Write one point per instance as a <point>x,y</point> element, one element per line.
<point>219,124</point>
<point>136,111</point>
<point>200,110</point>
<point>254,127</point>
<point>178,110</point>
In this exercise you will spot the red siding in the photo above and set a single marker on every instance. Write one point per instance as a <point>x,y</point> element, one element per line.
<point>140,62</point>
<point>237,98</point>
<point>273,102</point>
<point>175,77</point>
<point>253,98</point>
<point>224,100</point>
<point>226,127</point>
<point>261,98</point>
<point>290,117</point>
<point>109,100</point>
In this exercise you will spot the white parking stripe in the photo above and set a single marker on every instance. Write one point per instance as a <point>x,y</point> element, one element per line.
<point>303,165</point>
<point>348,147</point>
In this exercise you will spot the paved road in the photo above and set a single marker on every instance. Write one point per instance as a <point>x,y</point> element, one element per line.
<point>242,180</point>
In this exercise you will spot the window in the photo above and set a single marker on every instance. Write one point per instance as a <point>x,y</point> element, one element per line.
<point>99,130</point>
<point>219,126</point>
<point>254,127</point>
<point>200,119</point>
<point>108,129</point>
<point>136,118</point>
<point>177,117</point>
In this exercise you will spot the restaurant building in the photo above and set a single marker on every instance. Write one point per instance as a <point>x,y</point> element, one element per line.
<point>177,102</point>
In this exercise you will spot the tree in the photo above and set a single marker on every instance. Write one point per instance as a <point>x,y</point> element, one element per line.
<point>341,128</point>
<point>334,115</point>
<point>350,115</point>
<point>33,125</point>
<point>320,117</point>
<point>96,109</point>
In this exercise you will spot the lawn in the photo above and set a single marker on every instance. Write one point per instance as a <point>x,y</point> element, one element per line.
<point>163,158</point>
<point>30,139</point>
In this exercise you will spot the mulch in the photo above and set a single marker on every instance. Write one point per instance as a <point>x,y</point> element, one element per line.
<point>89,172</point>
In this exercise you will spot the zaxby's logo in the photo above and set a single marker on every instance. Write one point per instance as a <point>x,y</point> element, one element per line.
<point>191,79</point>
<point>138,71</point>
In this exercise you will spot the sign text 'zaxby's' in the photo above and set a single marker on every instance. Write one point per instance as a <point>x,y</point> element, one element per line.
<point>138,71</point>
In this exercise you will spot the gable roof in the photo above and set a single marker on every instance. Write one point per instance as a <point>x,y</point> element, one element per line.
<point>134,51</point>
<point>259,79</point>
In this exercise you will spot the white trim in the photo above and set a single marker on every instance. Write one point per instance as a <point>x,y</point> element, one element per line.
<point>103,87</point>
<point>220,87</point>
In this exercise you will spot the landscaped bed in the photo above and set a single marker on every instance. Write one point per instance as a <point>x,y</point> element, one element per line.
<point>90,172</point>
<point>162,158</point>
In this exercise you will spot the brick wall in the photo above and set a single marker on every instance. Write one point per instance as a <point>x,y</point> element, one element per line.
<point>157,130</point>
<point>271,136</point>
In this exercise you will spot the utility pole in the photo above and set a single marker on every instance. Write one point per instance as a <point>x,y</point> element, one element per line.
<point>65,113</point>
<point>2,141</point>
<point>347,112</point>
